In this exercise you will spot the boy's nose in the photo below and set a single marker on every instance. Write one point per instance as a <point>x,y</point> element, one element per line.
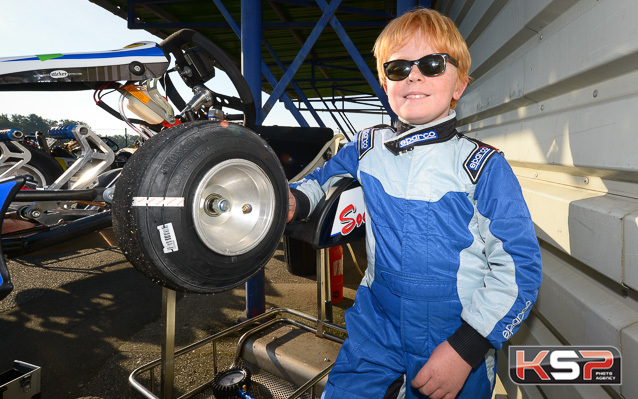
<point>415,74</point>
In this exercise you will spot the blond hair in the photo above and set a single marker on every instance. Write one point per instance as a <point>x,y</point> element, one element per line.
<point>437,29</point>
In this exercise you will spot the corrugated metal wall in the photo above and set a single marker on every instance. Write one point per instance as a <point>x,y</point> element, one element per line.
<point>556,89</point>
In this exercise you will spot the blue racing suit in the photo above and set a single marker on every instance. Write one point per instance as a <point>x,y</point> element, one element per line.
<point>452,255</point>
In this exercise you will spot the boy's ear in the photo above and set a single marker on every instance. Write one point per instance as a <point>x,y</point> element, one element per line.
<point>460,88</point>
<point>385,88</point>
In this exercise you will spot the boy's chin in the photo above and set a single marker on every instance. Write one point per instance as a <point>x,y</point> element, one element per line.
<point>422,119</point>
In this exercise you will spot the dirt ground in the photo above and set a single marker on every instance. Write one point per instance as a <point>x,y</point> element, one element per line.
<point>88,318</point>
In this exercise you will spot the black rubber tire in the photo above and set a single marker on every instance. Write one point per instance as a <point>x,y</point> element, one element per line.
<point>42,167</point>
<point>172,164</point>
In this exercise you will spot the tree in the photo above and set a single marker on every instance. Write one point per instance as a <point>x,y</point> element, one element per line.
<point>33,122</point>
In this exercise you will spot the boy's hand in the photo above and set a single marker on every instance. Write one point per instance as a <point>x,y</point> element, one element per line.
<point>292,206</point>
<point>443,375</point>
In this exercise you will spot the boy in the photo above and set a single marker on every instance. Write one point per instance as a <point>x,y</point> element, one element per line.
<point>453,260</point>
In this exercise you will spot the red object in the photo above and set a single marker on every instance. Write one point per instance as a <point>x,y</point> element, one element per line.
<point>335,257</point>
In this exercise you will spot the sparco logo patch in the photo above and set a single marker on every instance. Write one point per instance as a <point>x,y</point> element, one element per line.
<point>365,142</point>
<point>418,138</point>
<point>475,162</point>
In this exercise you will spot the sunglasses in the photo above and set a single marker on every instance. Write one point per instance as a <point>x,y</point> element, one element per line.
<point>430,65</point>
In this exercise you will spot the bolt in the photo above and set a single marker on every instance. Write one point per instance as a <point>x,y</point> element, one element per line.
<point>586,180</point>
<point>247,208</point>
<point>35,214</point>
<point>224,205</point>
<point>542,107</point>
<point>325,359</point>
<point>595,93</point>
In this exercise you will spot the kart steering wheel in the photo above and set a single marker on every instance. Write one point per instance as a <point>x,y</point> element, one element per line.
<point>195,76</point>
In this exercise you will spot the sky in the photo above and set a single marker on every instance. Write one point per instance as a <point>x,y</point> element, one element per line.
<point>31,27</point>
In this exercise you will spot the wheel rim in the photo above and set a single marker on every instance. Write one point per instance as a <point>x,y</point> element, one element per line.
<point>26,169</point>
<point>233,207</point>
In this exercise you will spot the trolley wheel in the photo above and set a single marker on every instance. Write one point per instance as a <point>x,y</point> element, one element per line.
<point>227,383</point>
<point>201,207</point>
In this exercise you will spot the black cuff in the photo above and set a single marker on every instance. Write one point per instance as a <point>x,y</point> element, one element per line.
<point>469,344</point>
<point>303,204</point>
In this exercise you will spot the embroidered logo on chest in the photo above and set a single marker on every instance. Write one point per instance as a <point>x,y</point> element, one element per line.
<point>418,138</point>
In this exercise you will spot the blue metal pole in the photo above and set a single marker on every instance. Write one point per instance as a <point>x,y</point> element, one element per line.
<point>251,49</point>
<point>268,74</point>
<point>256,295</point>
<point>251,69</point>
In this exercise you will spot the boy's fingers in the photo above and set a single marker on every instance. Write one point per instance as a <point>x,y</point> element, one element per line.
<point>292,206</point>
<point>421,378</point>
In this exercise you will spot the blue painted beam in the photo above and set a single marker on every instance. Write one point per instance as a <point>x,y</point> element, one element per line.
<point>328,13</point>
<point>251,49</point>
<point>265,25</point>
<point>295,86</point>
<point>358,59</point>
<point>266,71</point>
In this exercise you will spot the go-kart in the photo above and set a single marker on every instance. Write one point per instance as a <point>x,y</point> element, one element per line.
<point>201,205</point>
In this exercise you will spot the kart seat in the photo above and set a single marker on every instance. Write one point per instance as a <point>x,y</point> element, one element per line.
<point>300,148</point>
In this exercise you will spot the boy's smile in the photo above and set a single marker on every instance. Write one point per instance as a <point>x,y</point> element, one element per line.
<point>419,99</point>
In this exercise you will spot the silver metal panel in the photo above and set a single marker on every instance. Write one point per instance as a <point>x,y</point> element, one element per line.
<point>630,251</point>
<point>629,345</point>
<point>590,127</point>
<point>290,353</point>
<point>478,18</point>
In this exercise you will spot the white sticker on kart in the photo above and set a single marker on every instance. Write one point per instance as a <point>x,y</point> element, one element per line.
<point>176,202</point>
<point>167,235</point>
<point>351,212</point>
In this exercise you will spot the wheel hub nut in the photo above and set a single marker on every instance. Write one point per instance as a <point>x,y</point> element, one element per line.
<point>215,205</point>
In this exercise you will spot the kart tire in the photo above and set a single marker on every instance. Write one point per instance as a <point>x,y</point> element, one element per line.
<point>42,167</point>
<point>231,196</point>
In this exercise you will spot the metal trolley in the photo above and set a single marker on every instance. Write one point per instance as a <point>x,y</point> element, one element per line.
<point>288,353</point>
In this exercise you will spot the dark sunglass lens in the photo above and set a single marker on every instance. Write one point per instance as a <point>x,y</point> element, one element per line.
<point>432,65</point>
<point>397,70</point>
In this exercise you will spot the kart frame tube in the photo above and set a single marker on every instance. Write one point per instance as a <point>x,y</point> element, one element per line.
<point>13,247</point>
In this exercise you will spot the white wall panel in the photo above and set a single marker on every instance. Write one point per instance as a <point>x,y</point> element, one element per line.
<point>585,224</point>
<point>556,89</point>
<point>587,311</point>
